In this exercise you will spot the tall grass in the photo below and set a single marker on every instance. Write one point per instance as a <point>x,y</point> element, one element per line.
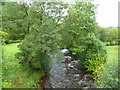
<point>108,78</point>
<point>0,66</point>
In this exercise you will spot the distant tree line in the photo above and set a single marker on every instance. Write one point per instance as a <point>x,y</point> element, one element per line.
<point>110,36</point>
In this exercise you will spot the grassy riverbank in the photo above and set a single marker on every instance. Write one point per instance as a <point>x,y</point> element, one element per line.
<point>14,75</point>
<point>109,76</point>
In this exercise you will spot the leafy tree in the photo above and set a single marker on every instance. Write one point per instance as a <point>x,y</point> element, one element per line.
<point>112,35</point>
<point>90,46</point>
<point>57,11</point>
<point>80,21</point>
<point>14,20</point>
<point>103,36</point>
<point>78,32</point>
<point>107,35</point>
<point>42,40</point>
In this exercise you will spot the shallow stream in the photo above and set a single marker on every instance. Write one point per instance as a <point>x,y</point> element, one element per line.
<point>67,74</point>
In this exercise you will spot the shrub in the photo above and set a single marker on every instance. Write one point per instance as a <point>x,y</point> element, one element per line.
<point>89,46</point>
<point>95,65</point>
<point>6,84</point>
<point>92,54</point>
<point>3,36</point>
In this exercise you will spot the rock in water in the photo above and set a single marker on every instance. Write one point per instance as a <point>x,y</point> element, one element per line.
<point>64,51</point>
<point>67,75</point>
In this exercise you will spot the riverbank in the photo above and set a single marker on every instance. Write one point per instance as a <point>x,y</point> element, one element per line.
<point>15,76</point>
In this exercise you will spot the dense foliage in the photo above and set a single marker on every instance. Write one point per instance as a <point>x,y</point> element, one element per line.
<point>79,22</point>
<point>13,74</point>
<point>17,18</point>
<point>78,34</point>
<point>44,37</point>
<point>42,40</point>
<point>14,21</point>
<point>92,55</point>
<point>90,47</point>
<point>43,28</point>
<point>108,35</point>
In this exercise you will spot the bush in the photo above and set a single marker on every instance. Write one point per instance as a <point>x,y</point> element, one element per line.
<point>3,36</point>
<point>92,54</point>
<point>89,46</point>
<point>95,65</point>
<point>6,84</point>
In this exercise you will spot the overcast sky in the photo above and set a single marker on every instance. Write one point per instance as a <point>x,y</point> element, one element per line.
<point>107,12</point>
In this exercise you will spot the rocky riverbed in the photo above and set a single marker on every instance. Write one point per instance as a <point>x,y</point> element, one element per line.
<point>67,74</point>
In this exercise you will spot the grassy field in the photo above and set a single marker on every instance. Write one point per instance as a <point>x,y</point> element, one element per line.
<point>109,76</point>
<point>14,75</point>
<point>113,53</point>
<point>0,66</point>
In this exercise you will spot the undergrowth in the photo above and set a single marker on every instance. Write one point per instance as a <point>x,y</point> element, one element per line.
<point>14,75</point>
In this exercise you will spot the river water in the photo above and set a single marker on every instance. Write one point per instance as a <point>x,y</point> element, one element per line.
<point>67,74</point>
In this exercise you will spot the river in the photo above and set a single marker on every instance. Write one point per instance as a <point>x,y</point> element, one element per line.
<point>67,74</point>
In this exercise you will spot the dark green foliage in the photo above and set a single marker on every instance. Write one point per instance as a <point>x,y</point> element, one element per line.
<point>44,28</point>
<point>14,21</point>
<point>14,75</point>
<point>78,34</point>
<point>108,35</point>
<point>103,36</point>
<point>79,22</point>
<point>89,46</point>
<point>41,41</point>
<point>38,26</point>
<point>92,54</point>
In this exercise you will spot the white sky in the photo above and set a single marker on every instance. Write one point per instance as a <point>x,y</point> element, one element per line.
<point>107,12</point>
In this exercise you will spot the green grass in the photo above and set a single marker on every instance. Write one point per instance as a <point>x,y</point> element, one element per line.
<point>0,66</point>
<point>109,76</point>
<point>112,53</point>
<point>15,75</point>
